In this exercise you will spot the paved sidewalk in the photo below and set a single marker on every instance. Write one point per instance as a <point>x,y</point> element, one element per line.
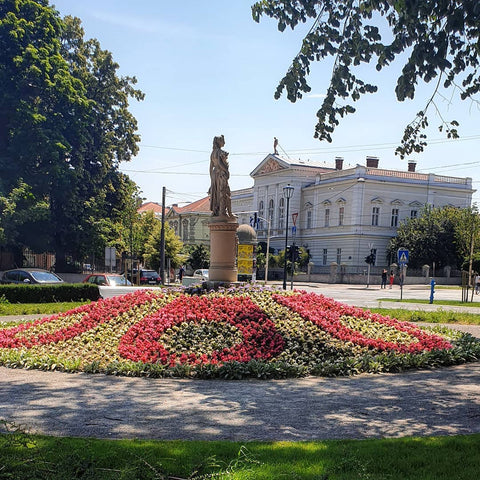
<point>417,403</point>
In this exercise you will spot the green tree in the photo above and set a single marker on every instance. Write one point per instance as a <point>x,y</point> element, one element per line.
<point>22,220</point>
<point>467,237</point>
<point>436,39</point>
<point>173,247</point>
<point>198,256</point>
<point>429,238</point>
<point>64,124</point>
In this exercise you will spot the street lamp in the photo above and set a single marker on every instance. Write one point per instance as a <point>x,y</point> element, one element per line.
<point>287,193</point>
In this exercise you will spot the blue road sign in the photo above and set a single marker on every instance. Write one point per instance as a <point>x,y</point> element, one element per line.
<point>294,230</point>
<point>402,255</point>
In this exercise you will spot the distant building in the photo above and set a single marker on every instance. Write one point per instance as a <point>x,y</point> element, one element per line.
<point>342,213</point>
<point>190,223</point>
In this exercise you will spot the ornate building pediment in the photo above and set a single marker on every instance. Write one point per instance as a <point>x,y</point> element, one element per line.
<point>270,164</point>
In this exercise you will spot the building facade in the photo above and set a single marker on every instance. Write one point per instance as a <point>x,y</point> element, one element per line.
<point>190,223</point>
<point>340,215</point>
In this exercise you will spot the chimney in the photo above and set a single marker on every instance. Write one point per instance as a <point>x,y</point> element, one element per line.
<point>372,162</point>
<point>338,163</point>
<point>412,165</point>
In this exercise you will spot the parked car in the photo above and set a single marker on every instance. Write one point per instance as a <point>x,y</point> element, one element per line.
<point>30,275</point>
<point>150,277</point>
<point>107,279</point>
<point>201,273</point>
<point>147,277</point>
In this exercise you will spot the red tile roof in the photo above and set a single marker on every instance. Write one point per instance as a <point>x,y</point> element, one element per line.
<point>151,206</point>
<point>200,206</point>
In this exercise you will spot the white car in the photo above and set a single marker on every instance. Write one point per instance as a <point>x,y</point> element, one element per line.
<point>201,273</point>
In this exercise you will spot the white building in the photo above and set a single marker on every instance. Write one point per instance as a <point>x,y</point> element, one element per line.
<point>342,213</point>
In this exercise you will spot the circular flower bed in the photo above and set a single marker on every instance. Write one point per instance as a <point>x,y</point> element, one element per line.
<point>237,333</point>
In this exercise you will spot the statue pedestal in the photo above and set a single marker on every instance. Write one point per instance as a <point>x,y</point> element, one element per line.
<point>223,249</point>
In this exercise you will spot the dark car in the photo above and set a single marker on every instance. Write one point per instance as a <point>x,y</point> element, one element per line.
<point>30,276</point>
<point>149,277</point>
<point>107,279</point>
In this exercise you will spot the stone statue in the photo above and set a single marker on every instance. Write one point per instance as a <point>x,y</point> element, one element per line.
<point>220,196</point>
<point>275,145</point>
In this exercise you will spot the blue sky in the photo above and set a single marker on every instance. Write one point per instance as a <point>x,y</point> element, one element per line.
<point>207,68</point>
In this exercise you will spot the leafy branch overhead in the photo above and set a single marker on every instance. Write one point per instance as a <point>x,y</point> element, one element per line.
<point>440,39</point>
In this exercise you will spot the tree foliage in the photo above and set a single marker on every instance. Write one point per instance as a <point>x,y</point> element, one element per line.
<point>64,125</point>
<point>434,236</point>
<point>438,38</point>
<point>173,247</point>
<point>198,256</point>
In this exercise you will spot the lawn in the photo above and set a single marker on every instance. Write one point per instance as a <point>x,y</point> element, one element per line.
<point>36,308</point>
<point>25,457</point>
<point>455,303</point>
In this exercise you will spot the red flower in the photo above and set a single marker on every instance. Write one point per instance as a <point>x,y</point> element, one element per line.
<point>327,313</point>
<point>260,338</point>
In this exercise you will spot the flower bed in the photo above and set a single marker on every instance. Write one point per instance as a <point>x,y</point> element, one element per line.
<point>236,333</point>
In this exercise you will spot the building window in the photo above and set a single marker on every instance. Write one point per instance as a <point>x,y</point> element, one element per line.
<point>309,218</point>
<point>270,210</point>
<point>413,213</point>
<point>327,217</point>
<point>339,256</point>
<point>324,256</point>
<point>261,214</point>
<point>394,221</point>
<point>375,215</point>
<point>185,230</point>
<point>175,227</point>
<point>341,214</point>
<point>281,212</point>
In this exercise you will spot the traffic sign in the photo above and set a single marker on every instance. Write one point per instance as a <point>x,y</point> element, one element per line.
<point>294,230</point>
<point>402,255</point>
<point>294,218</point>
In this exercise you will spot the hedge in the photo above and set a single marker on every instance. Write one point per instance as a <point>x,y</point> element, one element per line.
<point>68,292</point>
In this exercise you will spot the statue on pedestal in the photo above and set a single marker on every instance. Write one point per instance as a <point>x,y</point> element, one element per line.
<point>220,195</point>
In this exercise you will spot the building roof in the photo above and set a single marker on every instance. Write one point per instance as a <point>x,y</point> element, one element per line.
<point>156,208</point>
<point>200,206</point>
<point>274,163</point>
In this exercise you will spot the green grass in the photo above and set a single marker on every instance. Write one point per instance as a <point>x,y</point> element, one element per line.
<point>455,303</point>
<point>436,458</point>
<point>34,308</point>
<point>438,316</point>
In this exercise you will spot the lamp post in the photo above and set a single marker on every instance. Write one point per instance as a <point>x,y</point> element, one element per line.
<point>287,193</point>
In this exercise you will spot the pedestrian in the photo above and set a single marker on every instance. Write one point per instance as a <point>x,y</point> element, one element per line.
<point>477,284</point>
<point>181,273</point>
<point>384,279</point>
<point>392,278</point>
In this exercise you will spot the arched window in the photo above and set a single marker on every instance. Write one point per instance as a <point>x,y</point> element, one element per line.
<point>261,214</point>
<point>185,230</point>
<point>281,213</point>
<point>270,209</point>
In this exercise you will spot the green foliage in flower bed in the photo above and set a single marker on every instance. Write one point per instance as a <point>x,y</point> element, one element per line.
<point>67,292</point>
<point>233,334</point>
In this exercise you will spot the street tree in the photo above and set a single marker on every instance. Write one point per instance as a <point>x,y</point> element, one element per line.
<point>430,237</point>
<point>436,39</point>
<point>64,124</point>
<point>173,247</point>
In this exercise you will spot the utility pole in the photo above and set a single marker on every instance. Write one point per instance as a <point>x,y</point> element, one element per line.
<point>162,240</point>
